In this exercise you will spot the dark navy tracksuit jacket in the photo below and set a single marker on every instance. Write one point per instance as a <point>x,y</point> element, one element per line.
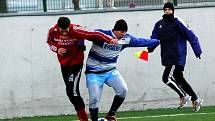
<point>173,36</point>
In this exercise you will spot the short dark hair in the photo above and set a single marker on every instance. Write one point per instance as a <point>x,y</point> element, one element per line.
<point>63,22</point>
<point>121,25</point>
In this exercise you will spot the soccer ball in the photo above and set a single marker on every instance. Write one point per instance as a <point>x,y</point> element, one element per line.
<point>102,119</point>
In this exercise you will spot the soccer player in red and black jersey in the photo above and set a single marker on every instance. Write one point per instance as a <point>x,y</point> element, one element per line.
<point>67,40</point>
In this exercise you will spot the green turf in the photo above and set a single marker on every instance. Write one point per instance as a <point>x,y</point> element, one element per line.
<point>205,114</point>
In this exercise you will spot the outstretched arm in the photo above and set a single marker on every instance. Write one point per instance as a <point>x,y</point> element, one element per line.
<point>142,42</point>
<point>93,35</point>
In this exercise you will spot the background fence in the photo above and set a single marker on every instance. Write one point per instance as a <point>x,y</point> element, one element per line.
<point>14,6</point>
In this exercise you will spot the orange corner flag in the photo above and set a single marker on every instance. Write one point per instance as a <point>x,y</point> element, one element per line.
<point>142,55</point>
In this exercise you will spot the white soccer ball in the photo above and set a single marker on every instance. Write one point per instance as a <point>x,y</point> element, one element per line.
<point>102,119</point>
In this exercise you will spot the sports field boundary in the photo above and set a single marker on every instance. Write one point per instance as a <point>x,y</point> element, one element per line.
<point>158,116</point>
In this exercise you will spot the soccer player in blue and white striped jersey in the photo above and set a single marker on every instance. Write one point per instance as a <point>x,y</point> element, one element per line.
<point>101,67</point>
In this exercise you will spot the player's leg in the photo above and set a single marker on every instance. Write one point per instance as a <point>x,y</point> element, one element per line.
<point>179,77</point>
<point>178,74</point>
<point>116,81</point>
<point>169,80</point>
<point>76,4</point>
<point>99,3</point>
<point>110,3</point>
<point>95,88</point>
<point>71,76</point>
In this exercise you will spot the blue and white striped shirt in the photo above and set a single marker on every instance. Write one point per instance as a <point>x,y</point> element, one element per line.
<point>103,56</point>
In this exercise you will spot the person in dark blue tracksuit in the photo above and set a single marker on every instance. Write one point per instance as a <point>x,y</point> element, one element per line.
<point>173,34</point>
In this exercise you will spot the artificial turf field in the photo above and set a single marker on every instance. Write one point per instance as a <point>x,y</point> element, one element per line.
<point>185,114</point>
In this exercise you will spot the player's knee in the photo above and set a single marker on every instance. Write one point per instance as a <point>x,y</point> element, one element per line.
<point>123,92</point>
<point>177,75</point>
<point>69,92</point>
<point>93,102</point>
<point>72,97</point>
<point>165,79</point>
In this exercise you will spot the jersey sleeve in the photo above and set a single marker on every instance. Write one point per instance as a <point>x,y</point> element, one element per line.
<point>91,35</point>
<point>142,42</point>
<point>50,40</point>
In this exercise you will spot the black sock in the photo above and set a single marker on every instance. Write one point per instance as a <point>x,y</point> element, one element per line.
<point>117,101</point>
<point>94,114</point>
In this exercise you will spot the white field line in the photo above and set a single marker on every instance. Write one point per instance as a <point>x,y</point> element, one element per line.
<point>157,116</point>
<point>172,115</point>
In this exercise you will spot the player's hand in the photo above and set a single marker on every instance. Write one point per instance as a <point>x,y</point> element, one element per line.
<point>198,56</point>
<point>114,41</point>
<point>150,50</point>
<point>61,51</point>
<point>82,47</point>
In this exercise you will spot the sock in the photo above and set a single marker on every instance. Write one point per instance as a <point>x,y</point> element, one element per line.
<point>82,115</point>
<point>94,114</point>
<point>117,101</point>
